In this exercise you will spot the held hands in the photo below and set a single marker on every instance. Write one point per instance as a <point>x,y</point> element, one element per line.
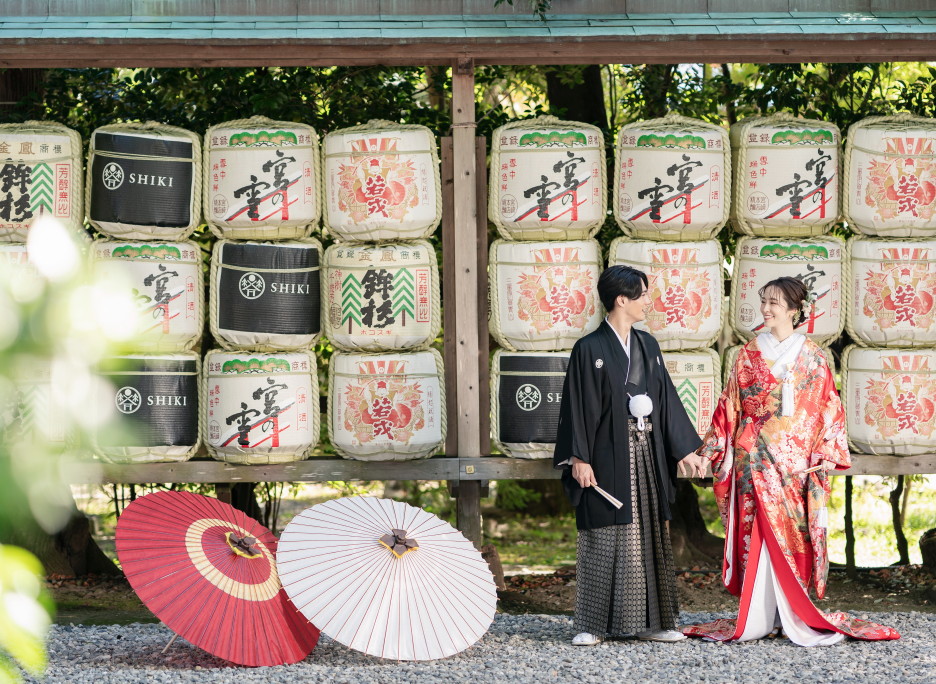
<point>695,466</point>
<point>583,473</point>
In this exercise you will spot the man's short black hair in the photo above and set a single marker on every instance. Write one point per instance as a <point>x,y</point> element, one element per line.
<point>620,280</point>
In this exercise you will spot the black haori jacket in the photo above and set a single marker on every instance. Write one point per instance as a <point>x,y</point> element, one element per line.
<point>593,423</point>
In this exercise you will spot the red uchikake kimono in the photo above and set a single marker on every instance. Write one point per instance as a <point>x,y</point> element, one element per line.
<point>774,514</point>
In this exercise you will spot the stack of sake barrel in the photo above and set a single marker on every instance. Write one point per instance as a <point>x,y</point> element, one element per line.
<point>41,179</point>
<point>381,190</point>
<point>890,300</point>
<point>547,198</point>
<point>671,197</point>
<point>786,198</point>
<point>143,192</point>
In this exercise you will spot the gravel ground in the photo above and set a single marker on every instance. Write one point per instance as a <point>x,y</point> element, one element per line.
<point>517,649</point>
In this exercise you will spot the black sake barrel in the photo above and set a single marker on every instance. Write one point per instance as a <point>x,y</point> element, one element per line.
<point>266,296</point>
<point>143,181</point>
<point>526,389</point>
<point>156,398</point>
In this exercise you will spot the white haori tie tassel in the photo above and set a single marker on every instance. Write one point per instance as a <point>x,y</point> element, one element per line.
<point>786,395</point>
<point>640,407</point>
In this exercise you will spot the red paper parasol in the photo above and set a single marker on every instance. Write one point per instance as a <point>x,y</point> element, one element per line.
<point>207,571</point>
<point>387,579</point>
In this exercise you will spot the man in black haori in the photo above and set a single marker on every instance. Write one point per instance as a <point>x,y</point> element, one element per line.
<point>622,430</point>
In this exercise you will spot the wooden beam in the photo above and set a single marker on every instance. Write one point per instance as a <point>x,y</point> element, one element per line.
<point>449,304</point>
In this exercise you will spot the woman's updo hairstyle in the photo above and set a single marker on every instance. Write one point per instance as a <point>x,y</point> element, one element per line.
<point>794,292</point>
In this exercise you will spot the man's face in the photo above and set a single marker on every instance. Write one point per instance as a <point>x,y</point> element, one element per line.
<point>636,309</point>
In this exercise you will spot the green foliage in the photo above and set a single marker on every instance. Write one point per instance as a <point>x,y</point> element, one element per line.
<point>26,611</point>
<point>539,8</point>
<point>513,496</point>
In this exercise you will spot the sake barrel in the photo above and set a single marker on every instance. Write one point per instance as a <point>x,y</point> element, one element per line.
<point>40,177</point>
<point>543,294</point>
<point>386,407</point>
<point>817,263</point>
<point>890,166</point>
<point>891,298</point>
<point>165,282</point>
<point>685,284</point>
<point>382,297</point>
<point>260,408</point>
<point>786,176</point>
<point>262,179</point>
<point>731,355</point>
<point>697,378</point>
<point>156,396</point>
<point>13,254</point>
<point>890,400</point>
<point>36,410</point>
<point>144,181</point>
<point>526,390</point>
<point>548,180</point>
<point>381,182</point>
<point>672,179</point>
<point>266,296</point>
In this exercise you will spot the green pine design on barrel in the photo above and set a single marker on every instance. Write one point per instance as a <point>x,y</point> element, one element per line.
<point>41,190</point>
<point>404,295</point>
<point>351,302</point>
<point>689,396</point>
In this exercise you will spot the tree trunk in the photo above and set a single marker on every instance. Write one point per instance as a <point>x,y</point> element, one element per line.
<point>577,97</point>
<point>928,550</point>
<point>692,542</point>
<point>849,530</point>
<point>21,94</point>
<point>244,499</point>
<point>895,500</point>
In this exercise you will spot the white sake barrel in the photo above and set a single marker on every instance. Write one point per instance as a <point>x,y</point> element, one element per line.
<point>731,355</point>
<point>144,181</point>
<point>548,180</point>
<point>262,179</point>
<point>260,408</point>
<point>386,407</point>
<point>891,298</point>
<point>526,390</point>
<point>266,296</point>
<point>157,402</point>
<point>686,282</point>
<point>165,282</point>
<point>672,179</point>
<point>890,400</point>
<point>382,297</point>
<point>697,378</point>
<point>786,176</point>
<point>890,167</point>
<point>818,263</point>
<point>381,182</point>
<point>40,176</point>
<point>543,294</point>
<point>13,254</point>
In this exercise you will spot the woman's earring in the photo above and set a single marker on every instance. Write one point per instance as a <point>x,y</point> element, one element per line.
<point>796,318</point>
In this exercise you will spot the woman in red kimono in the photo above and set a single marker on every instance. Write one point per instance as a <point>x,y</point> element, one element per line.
<point>778,428</point>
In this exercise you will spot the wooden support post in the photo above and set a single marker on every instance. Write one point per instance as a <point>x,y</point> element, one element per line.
<point>468,510</point>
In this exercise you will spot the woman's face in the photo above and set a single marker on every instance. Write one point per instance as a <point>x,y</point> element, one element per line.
<point>777,314</point>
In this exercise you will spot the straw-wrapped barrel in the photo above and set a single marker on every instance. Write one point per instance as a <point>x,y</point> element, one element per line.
<point>672,179</point>
<point>685,285</point>
<point>548,180</point>
<point>261,179</point>
<point>386,407</point>
<point>697,378</point>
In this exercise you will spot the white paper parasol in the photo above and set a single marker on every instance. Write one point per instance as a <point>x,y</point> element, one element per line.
<point>387,579</point>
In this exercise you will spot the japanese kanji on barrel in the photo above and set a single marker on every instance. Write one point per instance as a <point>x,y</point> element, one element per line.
<point>890,170</point>
<point>890,400</point>
<point>685,284</point>
<point>672,179</point>
<point>548,180</point>
<point>818,263</point>
<point>526,390</point>
<point>166,283</point>
<point>697,378</point>
<point>13,254</point>
<point>260,408</point>
<point>786,176</point>
<point>731,355</point>
<point>381,297</point>
<point>386,407</point>
<point>266,296</point>
<point>157,402</point>
<point>261,179</point>
<point>381,181</point>
<point>891,298</point>
<point>40,176</point>
<point>543,294</point>
<point>144,181</point>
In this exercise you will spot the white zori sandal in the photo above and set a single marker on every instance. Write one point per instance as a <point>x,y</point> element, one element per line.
<point>585,639</point>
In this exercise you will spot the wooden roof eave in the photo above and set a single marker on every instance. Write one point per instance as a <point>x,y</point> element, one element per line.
<point>610,49</point>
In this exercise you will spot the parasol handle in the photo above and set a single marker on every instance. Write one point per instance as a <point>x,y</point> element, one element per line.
<point>171,641</point>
